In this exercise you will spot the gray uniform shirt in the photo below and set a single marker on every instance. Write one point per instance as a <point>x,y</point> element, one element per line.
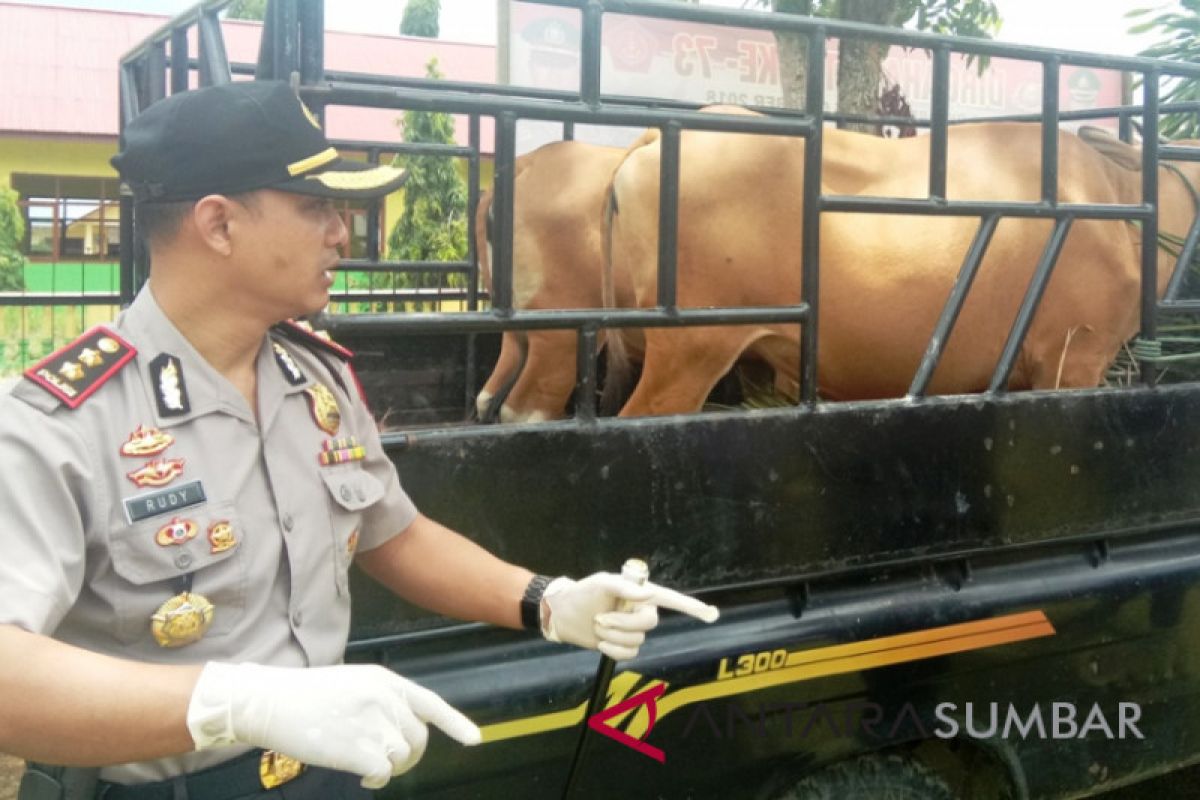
<point>89,555</point>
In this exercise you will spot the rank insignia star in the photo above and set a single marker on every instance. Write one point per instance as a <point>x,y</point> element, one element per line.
<point>71,370</point>
<point>90,358</point>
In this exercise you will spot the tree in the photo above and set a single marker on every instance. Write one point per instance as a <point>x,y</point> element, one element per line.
<point>1180,31</point>
<point>860,61</point>
<point>246,9</point>
<point>421,18</point>
<point>433,225</point>
<point>12,231</point>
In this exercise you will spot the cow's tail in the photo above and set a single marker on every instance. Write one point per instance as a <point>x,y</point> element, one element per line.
<point>618,379</point>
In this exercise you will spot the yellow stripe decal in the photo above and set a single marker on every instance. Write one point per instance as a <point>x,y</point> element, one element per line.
<point>803,665</point>
<point>305,164</point>
<point>527,726</point>
<point>946,633</point>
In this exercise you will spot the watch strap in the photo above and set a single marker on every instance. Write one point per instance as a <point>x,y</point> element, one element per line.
<point>531,603</point>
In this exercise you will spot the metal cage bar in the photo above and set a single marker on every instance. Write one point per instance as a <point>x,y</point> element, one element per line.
<point>1029,304</point>
<point>954,303</point>
<point>295,46</point>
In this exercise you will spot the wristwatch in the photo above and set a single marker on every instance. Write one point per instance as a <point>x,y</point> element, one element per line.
<point>531,602</point>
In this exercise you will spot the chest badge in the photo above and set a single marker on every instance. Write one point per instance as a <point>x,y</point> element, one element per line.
<point>324,408</point>
<point>183,619</point>
<point>221,537</point>
<point>177,531</point>
<point>157,473</point>
<point>146,442</point>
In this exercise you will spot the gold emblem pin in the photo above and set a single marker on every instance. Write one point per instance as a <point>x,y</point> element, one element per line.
<point>146,442</point>
<point>108,345</point>
<point>183,619</point>
<point>221,536</point>
<point>157,473</point>
<point>71,370</point>
<point>90,357</point>
<point>324,408</point>
<point>177,531</point>
<point>276,769</point>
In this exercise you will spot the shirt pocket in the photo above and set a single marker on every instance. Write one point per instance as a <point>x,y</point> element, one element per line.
<point>152,559</point>
<point>351,491</point>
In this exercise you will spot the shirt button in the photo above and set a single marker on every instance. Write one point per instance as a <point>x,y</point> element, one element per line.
<point>297,618</point>
<point>183,560</point>
<point>345,493</point>
<point>287,522</point>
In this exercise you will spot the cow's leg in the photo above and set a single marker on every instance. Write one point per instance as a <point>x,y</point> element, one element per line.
<point>502,373</point>
<point>546,382</point>
<point>1075,359</point>
<point>683,365</point>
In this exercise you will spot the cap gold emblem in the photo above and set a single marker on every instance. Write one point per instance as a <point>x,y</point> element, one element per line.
<point>221,536</point>
<point>108,345</point>
<point>183,619</point>
<point>177,531</point>
<point>324,408</point>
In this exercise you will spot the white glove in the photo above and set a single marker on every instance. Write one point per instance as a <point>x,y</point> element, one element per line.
<point>363,719</point>
<point>611,614</point>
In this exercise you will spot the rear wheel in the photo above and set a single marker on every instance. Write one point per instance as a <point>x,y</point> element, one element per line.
<point>872,777</point>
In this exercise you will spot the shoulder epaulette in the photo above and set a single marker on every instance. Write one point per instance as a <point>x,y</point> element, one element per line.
<point>73,373</point>
<point>303,333</point>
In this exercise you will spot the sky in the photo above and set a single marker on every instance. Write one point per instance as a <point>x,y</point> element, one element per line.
<point>1091,25</point>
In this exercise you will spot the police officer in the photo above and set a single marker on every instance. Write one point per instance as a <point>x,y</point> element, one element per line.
<point>185,490</point>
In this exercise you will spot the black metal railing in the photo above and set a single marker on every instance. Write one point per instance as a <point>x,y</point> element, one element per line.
<point>291,47</point>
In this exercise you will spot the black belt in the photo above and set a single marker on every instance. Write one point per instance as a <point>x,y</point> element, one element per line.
<point>256,771</point>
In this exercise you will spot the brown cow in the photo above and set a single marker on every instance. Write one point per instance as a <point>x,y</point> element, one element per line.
<point>884,278</point>
<point>559,194</point>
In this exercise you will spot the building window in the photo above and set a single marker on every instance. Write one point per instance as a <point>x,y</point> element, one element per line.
<point>69,218</point>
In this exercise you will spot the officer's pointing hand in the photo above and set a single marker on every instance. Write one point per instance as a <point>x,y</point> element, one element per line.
<point>355,718</point>
<point>612,614</point>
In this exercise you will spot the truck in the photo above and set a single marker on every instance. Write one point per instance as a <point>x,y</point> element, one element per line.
<point>974,596</point>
